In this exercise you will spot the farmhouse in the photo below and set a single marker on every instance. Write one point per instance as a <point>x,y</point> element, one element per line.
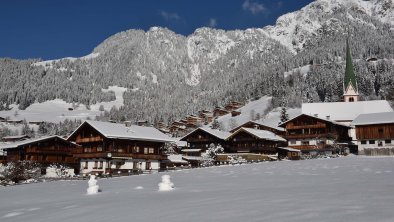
<point>310,133</point>
<point>248,140</point>
<point>201,138</point>
<point>45,150</point>
<point>110,147</point>
<point>261,126</point>
<point>375,133</point>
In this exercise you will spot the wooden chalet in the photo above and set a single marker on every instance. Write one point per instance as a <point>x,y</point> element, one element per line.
<point>309,133</point>
<point>206,115</point>
<point>233,106</point>
<point>15,138</point>
<point>194,121</point>
<point>142,123</point>
<point>45,150</point>
<point>220,111</point>
<point>13,121</point>
<point>235,113</point>
<point>375,133</point>
<point>261,126</point>
<point>248,140</point>
<point>115,148</point>
<point>201,138</point>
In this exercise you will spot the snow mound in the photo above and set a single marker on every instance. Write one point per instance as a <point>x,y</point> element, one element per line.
<point>166,184</point>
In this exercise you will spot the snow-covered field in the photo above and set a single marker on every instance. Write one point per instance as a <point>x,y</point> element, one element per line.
<point>57,110</point>
<point>342,189</point>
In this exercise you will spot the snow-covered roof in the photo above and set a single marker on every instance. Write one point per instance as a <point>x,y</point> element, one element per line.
<point>266,123</point>
<point>289,149</point>
<point>261,134</point>
<point>325,120</point>
<point>199,158</point>
<point>346,111</point>
<point>28,141</point>
<point>120,131</point>
<point>374,118</point>
<point>216,133</point>
<point>176,158</point>
<point>191,150</point>
<point>16,137</point>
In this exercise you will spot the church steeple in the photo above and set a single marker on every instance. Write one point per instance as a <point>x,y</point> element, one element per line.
<point>350,88</point>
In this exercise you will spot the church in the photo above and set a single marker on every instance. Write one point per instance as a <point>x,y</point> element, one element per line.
<point>321,126</point>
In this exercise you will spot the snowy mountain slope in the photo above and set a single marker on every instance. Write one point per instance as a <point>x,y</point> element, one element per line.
<point>341,189</point>
<point>169,76</point>
<point>295,29</point>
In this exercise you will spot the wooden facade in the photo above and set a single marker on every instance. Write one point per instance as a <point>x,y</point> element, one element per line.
<point>248,141</point>
<point>233,106</point>
<point>46,151</point>
<point>110,155</point>
<point>202,139</point>
<point>220,111</point>
<point>308,133</point>
<point>375,131</point>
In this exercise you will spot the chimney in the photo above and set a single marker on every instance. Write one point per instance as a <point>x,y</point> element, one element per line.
<point>315,115</point>
<point>328,117</point>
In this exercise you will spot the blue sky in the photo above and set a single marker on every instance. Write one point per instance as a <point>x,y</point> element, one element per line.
<point>51,29</point>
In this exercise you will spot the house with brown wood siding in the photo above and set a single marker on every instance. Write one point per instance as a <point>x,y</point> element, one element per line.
<point>375,133</point>
<point>111,148</point>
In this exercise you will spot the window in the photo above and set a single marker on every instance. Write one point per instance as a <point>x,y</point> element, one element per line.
<point>148,166</point>
<point>293,142</point>
<point>363,142</point>
<point>86,165</point>
<point>99,149</point>
<point>145,150</point>
<point>305,142</point>
<point>95,164</point>
<point>380,130</point>
<point>101,165</point>
<point>351,99</point>
<point>136,149</point>
<point>380,143</point>
<point>151,150</point>
<point>387,141</point>
<point>372,142</point>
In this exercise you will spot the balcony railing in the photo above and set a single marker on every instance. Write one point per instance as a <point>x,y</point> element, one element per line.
<point>89,139</point>
<point>124,155</point>
<point>305,136</point>
<point>311,126</point>
<point>48,150</point>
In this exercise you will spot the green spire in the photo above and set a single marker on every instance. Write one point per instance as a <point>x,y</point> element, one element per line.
<point>350,77</point>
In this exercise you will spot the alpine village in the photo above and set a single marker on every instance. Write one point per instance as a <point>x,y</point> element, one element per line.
<point>350,126</point>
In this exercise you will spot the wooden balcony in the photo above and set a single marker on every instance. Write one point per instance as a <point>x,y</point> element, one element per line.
<point>313,126</point>
<point>308,136</point>
<point>89,139</point>
<point>124,155</point>
<point>311,147</point>
<point>48,150</point>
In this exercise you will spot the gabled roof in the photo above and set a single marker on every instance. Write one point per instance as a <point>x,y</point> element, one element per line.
<point>216,133</point>
<point>120,131</point>
<point>346,111</point>
<point>374,118</point>
<point>30,141</point>
<point>325,120</point>
<point>261,123</point>
<point>261,134</point>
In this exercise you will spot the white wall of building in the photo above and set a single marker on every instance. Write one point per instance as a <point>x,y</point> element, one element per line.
<point>126,165</point>
<point>375,144</point>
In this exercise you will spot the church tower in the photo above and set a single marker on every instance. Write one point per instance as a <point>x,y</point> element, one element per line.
<point>350,88</point>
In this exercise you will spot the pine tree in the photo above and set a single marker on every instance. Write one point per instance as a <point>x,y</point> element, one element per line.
<point>283,115</point>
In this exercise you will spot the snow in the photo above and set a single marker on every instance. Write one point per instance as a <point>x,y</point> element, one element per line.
<point>195,75</point>
<point>48,63</point>
<point>93,187</point>
<point>346,112</point>
<point>57,110</point>
<point>262,134</point>
<point>302,70</point>
<point>166,184</point>
<point>116,130</point>
<point>374,118</point>
<point>340,189</point>
<point>271,119</point>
